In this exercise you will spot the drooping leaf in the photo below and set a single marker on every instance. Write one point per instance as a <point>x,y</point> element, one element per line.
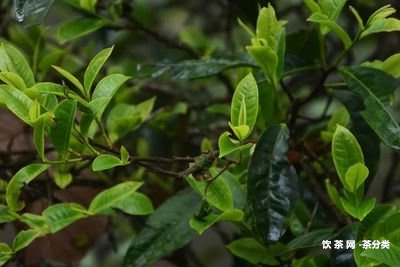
<point>78,28</point>
<point>19,180</point>
<point>106,162</point>
<point>124,197</point>
<point>346,151</point>
<point>94,68</point>
<point>12,60</point>
<point>60,135</point>
<point>375,88</point>
<point>204,223</point>
<point>252,251</point>
<point>167,230</point>
<point>59,216</point>
<point>272,184</point>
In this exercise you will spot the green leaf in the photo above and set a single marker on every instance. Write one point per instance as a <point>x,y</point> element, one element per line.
<point>16,101</point>
<point>355,176</point>
<point>24,238</point>
<point>88,5</point>
<point>78,28</point>
<point>391,65</point>
<point>38,135</point>
<point>345,151</point>
<point>61,133</point>
<point>59,216</point>
<point>358,210</point>
<point>391,256</point>
<point>244,106</point>
<point>167,230</point>
<point>308,240</point>
<point>252,251</point>
<point>124,155</point>
<point>124,197</point>
<point>378,22</point>
<point>70,78</point>
<point>227,145</point>
<point>361,26</point>
<point>332,25</point>
<point>344,257</point>
<point>12,60</point>
<point>332,8</point>
<point>267,59</point>
<point>19,180</point>
<point>217,193</point>
<point>5,253</point>
<point>13,80</point>
<point>194,68</point>
<point>7,215</point>
<point>333,194</point>
<point>35,222</point>
<point>94,67</point>
<point>271,185</point>
<point>62,178</point>
<point>375,88</point>
<point>202,224</point>
<point>268,26</point>
<point>106,162</point>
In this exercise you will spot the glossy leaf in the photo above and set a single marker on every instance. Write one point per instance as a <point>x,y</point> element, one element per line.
<point>271,185</point>
<point>106,162</point>
<point>19,180</point>
<point>204,223</point>
<point>345,151</point>
<point>12,60</point>
<point>78,28</point>
<point>94,67</point>
<point>312,239</point>
<point>344,257</point>
<point>375,88</point>
<point>61,133</point>
<point>59,216</point>
<point>167,230</point>
<point>252,251</point>
<point>124,197</point>
<point>355,176</point>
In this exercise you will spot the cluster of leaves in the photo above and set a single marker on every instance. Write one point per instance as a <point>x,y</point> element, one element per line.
<point>269,168</point>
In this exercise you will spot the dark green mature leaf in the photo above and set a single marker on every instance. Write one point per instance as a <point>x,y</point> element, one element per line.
<point>61,133</point>
<point>312,239</point>
<point>344,257</point>
<point>252,251</point>
<point>195,68</point>
<point>16,101</point>
<point>375,88</point>
<point>167,230</point>
<point>20,179</point>
<point>11,60</point>
<point>272,184</point>
<point>61,215</point>
<point>78,28</point>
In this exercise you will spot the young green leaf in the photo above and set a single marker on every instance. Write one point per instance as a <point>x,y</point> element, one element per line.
<point>271,185</point>
<point>252,251</point>
<point>12,79</point>
<point>59,216</point>
<point>24,238</point>
<point>6,253</point>
<point>61,133</point>
<point>268,26</point>
<point>94,67</point>
<point>78,28</point>
<point>16,101</point>
<point>355,176</point>
<point>88,5</point>
<point>38,135</point>
<point>12,60</point>
<point>391,256</point>
<point>124,197</point>
<point>7,215</point>
<point>244,107</point>
<point>109,85</point>
<point>345,151</point>
<point>358,210</point>
<point>62,178</point>
<point>124,155</point>
<point>333,194</point>
<point>70,78</point>
<point>106,162</point>
<point>19,180</point>
<point>204,223</point>
<point>227,145</point>
<point>35,222</point>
